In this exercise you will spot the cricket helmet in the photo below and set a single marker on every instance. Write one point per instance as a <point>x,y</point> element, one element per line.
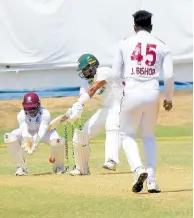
<point>31,104</point>
<point>88,65</point>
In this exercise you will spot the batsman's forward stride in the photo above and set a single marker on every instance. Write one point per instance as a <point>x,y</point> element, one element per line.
<point>100,79</point>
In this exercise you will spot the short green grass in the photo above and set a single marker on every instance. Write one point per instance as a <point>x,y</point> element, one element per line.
<point>161,131</point>
<point>105,194</point>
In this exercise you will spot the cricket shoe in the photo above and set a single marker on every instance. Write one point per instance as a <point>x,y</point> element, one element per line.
<point>76,172</point>
<point>67,169</point>
<point>110,165</point>
<point>140,175</point>
<point>21,171</point>
<point>59,170</point>
<point>152,187</point>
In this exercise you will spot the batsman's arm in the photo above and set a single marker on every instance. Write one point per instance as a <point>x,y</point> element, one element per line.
<point>75,112</point>
<point>77,108</point>
<point>86,96</point>
<point>97,85</point>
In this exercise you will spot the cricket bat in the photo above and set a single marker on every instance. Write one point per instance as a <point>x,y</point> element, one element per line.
<point>56,121</point>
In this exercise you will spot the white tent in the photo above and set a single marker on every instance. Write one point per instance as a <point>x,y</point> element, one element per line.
<point>41,40</point>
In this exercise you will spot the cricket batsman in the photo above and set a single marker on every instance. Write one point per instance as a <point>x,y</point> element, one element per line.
<point>33,123</point>
<point>100,80</point>
<point>144,57</point>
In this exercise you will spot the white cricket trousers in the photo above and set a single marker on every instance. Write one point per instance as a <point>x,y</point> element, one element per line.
<point>139,107</point>
<point>106,118</point>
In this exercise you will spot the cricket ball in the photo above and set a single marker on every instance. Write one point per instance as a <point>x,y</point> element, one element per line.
<point>52,159</point>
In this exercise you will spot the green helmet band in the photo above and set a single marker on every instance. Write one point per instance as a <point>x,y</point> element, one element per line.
<point>85,60</point>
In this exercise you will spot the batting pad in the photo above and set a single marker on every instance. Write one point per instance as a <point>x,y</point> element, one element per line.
<point>81,151</point>
<point>9,138</point>
<point>112,146</point>
<point>80,138</point>
<point>16,152</point>
<point>57,151</point>
<point>82,155</point>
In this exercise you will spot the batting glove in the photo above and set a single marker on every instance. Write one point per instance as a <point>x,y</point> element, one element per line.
<point>76,111</point>
<point>66,116</point>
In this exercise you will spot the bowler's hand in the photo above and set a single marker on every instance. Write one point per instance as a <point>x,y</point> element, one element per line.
<point>167,105</point>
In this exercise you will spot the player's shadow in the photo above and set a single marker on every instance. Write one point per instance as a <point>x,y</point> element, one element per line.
<point>114,173</point>
<point>42,174</point>
<point>169,191</point>
<point>180,190</point>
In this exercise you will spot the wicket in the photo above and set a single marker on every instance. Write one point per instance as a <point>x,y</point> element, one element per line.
<point>71,127</point>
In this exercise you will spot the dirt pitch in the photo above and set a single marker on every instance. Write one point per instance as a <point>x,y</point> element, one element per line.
<point>181,114</point>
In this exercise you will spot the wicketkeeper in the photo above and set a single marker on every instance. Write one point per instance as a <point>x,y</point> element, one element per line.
<point>33,123</point>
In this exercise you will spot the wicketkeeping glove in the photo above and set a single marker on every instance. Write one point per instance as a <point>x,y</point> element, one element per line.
<point>36,140</point>
<point>27,144</point>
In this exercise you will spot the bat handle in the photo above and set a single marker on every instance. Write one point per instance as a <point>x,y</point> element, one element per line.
<point>64,118</point>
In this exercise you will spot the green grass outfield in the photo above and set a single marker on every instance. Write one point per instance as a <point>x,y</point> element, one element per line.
<point>174,132</point>
<point>103,194</point>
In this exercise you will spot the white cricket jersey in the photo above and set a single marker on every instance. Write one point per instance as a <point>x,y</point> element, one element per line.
<point>144,57</point>
<point>112,91</point>
<point>31,125</point>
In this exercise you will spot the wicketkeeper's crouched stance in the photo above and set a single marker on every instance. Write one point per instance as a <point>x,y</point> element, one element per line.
<point>33,123</point>
<point>106,117</point>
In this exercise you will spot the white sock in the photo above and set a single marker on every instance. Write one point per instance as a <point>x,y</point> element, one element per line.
<point>150,150</point>
<point>131,150</point>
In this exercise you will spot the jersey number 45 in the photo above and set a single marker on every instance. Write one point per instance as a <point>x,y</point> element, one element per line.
<point>150,50</point>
